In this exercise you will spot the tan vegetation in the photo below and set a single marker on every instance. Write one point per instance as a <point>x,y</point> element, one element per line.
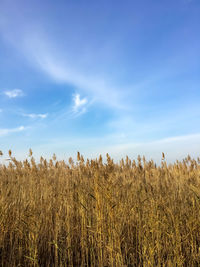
<point>92,213</point>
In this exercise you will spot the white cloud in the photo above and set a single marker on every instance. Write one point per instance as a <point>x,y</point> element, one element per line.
<point>35,116</point>
<point>12,130</point>
<point>79,104</point>
<point>14,93</point>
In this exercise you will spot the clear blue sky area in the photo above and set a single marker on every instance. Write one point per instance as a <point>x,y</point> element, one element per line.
<point>100,76</point>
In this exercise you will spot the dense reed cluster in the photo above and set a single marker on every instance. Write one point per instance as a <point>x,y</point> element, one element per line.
<point>95,213</point>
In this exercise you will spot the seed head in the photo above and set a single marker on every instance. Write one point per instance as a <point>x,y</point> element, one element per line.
<point>9,153</point>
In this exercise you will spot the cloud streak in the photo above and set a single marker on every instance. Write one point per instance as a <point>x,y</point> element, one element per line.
<point>5,131</point>
<point>36,116</point>
<point>175,147</point>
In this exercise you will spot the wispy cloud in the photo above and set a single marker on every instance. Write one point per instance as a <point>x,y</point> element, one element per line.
<point>14,93</point>
<point>4,132</point>
<point>175,147</point>
<point>98,87</point>
<point>60,67</point>
<point>36,116</point>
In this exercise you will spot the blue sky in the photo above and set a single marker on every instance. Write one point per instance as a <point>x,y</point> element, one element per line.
<point>100,76</point>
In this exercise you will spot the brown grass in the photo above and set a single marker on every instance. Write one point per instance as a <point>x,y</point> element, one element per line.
<point>99,214</point>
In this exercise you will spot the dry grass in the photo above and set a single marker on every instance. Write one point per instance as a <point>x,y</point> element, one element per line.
<point>99,214</point>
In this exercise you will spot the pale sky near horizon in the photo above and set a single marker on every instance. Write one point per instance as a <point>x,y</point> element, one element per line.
<point>121,77</point>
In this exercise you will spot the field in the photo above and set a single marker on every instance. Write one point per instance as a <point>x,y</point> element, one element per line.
<point>95,213</point>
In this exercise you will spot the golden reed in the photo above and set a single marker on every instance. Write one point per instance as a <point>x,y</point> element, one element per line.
<point>95,213</point>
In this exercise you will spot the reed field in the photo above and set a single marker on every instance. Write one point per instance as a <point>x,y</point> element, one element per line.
<point>96,213</point>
